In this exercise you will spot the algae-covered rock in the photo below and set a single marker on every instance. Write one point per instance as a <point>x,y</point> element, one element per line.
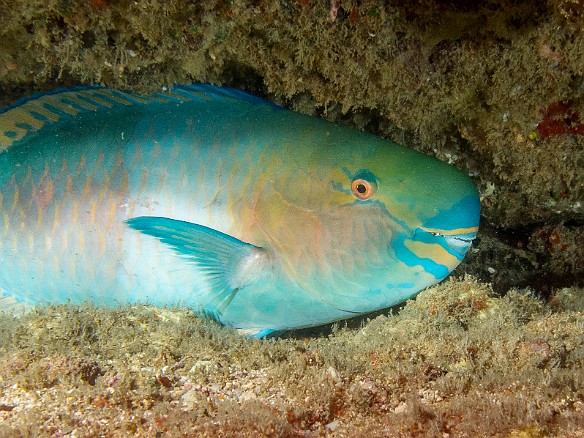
<point>457,361</point>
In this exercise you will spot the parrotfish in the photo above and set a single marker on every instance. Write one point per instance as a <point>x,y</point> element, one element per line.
<point>261,218</point>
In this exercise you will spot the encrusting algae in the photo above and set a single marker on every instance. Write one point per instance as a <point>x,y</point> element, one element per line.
<point>458,361</point>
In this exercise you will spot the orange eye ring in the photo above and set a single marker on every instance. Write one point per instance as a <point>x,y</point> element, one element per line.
<point>362,188</point>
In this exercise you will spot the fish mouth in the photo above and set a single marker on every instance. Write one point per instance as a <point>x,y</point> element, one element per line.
<point>458,240</point>
<point>459,244</point>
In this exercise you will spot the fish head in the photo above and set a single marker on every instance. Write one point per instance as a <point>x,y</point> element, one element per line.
<point>370,223</point>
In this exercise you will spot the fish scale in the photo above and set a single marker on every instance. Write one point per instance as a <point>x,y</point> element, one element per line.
<point>208,197</point>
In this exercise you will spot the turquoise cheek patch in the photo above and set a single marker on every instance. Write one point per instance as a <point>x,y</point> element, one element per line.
<point>442,242</point>
<point>408,257</point>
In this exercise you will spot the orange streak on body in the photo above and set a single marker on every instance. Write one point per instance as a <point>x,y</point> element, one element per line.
<point>80,166</point>
<point>43,193</point>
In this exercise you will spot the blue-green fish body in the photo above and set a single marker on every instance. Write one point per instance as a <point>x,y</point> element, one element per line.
<point>262,218</point>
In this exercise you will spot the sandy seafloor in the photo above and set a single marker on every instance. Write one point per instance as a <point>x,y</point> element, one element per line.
<point>454,362</point>
<point>494,88</point>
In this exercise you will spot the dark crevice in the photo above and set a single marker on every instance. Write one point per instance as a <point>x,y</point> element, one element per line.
<point>527,257</point>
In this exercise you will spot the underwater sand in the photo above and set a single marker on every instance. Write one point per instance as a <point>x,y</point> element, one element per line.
<point>456,361</point>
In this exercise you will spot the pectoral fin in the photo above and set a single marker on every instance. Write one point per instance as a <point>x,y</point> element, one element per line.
<point>229,263</point>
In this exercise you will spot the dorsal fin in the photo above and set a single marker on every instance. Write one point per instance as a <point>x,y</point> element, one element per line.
<point>222,94</point>
<point>33,113</point>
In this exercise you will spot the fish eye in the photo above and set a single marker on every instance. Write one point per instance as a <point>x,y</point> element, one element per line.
<point>362,188</point>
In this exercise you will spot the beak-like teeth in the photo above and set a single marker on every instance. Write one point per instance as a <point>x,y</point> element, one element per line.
<point>460,243</point>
